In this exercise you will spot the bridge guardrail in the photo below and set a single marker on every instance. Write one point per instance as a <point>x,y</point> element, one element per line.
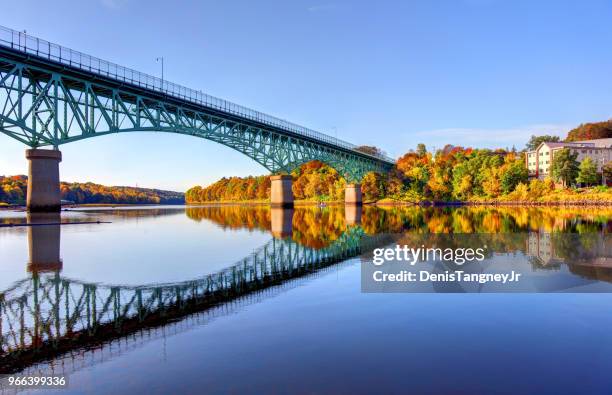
<point>29,44</point>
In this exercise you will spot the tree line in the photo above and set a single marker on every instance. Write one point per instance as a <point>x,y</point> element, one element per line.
<point>449,174</point>
<point>453,173</point>
<point>13,190</point>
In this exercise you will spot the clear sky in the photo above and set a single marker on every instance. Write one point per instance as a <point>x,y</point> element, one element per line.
<point>483,73</point>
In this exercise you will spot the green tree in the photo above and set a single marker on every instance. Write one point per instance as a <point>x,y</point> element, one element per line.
<point>565,166</point>
<point>516,173</point>
<point>535,141</point>
<point>587,173</point>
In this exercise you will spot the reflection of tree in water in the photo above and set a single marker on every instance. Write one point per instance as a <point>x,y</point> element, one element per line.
<point>575,247</point>
<point>312,226</point>
<point>316,228</point>
<point>487,219</point>
<point>234,216</point>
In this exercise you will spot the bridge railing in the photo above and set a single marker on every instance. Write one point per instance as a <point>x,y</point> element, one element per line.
<point>35,46</point>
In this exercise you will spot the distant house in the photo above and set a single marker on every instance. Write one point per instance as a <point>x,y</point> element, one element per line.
<point>539,161</point>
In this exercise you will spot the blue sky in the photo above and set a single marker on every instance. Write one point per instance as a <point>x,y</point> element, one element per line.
<point>483,73</point>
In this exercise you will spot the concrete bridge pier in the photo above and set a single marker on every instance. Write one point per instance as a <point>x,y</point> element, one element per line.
<point>352,195</point>
<point>282,222</point>
<point>352,214</point>
<point>281,194</point>
<point>44,242</point>
<point>43,180</point>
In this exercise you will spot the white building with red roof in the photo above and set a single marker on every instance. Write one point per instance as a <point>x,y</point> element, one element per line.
<point>539,161</point>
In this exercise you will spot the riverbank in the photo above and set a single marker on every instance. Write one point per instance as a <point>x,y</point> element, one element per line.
<point>18,207</point>
<point>595,196</point>
<point>525,203</point>
<point>265,202</point>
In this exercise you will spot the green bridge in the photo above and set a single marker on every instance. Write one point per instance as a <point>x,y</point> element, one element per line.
<point>51,95</point>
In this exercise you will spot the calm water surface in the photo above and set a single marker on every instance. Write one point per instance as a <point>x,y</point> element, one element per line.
<point>253,300</point>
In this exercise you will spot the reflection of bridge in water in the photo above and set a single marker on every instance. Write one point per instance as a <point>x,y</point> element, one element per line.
<point>47,314</point>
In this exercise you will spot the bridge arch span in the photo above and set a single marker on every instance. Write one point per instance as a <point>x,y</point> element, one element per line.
<point>51,95</point>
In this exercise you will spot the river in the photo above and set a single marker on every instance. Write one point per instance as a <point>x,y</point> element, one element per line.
<point>235,299</point>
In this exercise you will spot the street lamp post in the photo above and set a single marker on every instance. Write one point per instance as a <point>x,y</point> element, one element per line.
<point>161,59</point>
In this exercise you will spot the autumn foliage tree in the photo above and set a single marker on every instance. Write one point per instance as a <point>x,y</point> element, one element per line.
<point>591,131</point>
<point>311,181</point>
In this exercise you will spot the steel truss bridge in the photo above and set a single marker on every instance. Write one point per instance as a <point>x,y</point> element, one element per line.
<point>51,95</point>
<point>48,315</point>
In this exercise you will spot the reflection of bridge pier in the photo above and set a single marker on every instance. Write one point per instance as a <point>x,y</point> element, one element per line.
<point>43,180</point>
<point>282,222</point>
<point>352,214</point>
<point>44,242</point>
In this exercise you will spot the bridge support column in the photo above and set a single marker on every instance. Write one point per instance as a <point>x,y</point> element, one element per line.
<point>282,222</point>
<point>352,195</point>
<point>281,194</point>
<point>43,180</point>
<point>44,242</point>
